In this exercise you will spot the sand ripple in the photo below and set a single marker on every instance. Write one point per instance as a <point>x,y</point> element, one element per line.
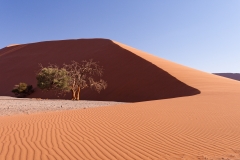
<point>168,129</point>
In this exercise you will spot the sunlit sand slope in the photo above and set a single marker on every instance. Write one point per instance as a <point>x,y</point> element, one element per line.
<point>202,126</point>
<point>130,78</point>
<point>205,82</point>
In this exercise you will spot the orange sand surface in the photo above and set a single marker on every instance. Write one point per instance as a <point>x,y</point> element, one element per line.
<point>198,126</point>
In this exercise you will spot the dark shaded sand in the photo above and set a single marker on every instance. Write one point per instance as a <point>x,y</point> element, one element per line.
<point>202,126</point>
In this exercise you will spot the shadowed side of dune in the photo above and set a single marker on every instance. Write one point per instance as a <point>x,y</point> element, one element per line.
<point>130,78</point>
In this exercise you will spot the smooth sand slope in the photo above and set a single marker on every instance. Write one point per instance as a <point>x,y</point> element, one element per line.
<point>201,126</point>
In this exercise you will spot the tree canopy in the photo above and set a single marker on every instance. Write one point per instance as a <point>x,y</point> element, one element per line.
<point>75,77</point>
<point>53,78</point>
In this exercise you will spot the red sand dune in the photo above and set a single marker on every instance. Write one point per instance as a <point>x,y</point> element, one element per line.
<point>201,126</point>
<point>130,78</point>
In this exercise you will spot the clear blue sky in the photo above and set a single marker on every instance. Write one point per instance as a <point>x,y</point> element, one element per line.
<point>202,34</point>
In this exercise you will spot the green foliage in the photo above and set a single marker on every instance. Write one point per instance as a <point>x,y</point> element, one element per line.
<point>22,90</point>
<point>53,78</point>
<point>72,77</point>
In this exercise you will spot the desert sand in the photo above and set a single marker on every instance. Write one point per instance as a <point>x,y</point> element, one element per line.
<point>198,119</point>
<point>17,106</point>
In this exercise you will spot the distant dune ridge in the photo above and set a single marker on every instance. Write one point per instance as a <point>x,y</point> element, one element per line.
<point>130,78</point>
<point>235,76</point>
<point>12,45</point>
<point>201,122</point>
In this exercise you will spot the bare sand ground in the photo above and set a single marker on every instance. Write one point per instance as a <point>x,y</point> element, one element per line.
<point>13,106</point>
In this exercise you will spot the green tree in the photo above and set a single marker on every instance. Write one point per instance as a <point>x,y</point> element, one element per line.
<point>53,78</point>
<point>74,77</point>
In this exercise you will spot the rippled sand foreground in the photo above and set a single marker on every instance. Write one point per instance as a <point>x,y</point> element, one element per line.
<point>182,128</point>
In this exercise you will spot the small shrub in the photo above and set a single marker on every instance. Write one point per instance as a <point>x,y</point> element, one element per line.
<point>22,90</point>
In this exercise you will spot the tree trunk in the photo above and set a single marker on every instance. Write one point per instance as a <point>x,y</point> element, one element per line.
<point>73,90</point>
<point>73,94</point>
<point>78,93</point>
